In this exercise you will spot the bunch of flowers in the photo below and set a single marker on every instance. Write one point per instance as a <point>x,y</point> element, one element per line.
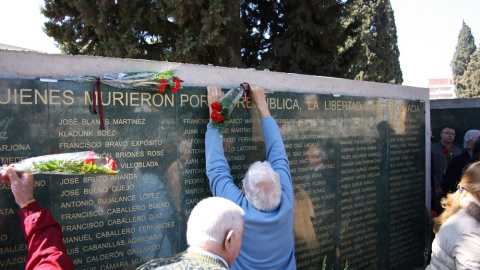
<point>68,163</point>
<point>146,81</point>
<point>222,109</point>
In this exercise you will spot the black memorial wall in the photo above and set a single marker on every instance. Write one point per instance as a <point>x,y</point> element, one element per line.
<point>357,164</point>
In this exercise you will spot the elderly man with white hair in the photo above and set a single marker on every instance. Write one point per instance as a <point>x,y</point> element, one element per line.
<point>214,235</point>
<point>266,195</point>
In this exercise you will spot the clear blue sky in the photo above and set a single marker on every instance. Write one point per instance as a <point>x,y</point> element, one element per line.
<point>427,32</point>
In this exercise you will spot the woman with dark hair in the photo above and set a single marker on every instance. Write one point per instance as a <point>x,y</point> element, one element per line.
<point>457,240</point>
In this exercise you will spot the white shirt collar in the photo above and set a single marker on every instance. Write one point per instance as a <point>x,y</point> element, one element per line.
<point>199,250</point>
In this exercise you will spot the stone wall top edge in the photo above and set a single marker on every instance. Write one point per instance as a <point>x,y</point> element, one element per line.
<point>32,65</point>
<point>458,103</point>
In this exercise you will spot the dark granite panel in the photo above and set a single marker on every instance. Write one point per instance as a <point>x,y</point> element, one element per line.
<point>357,166</point>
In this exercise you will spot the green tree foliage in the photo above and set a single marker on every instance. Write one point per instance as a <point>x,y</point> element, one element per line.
<point>465,48</point>
<point>193,31</point>
<point>317,37</point>
<point>263,23</point>
<point>471,78</point>
<point>313,37</point>
<point>379,60</point>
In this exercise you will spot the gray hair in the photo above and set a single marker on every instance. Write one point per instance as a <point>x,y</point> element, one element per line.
<point>211,220</point>
<point>262,186</point>
<point>470,135</point>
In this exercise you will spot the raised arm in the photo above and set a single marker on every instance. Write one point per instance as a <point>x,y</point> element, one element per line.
<point>218,170</point>
<point>257,94</point>
<point>43,234</point>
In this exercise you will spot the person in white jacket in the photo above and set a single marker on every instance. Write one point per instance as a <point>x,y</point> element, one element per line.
<point>457,240</point>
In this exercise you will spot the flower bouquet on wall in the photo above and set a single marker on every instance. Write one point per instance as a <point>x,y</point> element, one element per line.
<point>145,81</point>
<point>221,110</point>
<point>86,162</point>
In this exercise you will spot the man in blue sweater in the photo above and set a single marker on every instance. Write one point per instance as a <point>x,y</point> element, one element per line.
<point>266,195</point>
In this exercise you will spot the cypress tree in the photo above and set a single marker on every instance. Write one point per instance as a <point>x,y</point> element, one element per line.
<point>379,61</point>
<point>464,50</point>
<point>471,78</point>
<point>312,38</point>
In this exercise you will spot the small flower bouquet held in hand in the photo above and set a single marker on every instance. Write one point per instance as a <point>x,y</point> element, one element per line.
<point>68,163</point>
<point>222,109</point>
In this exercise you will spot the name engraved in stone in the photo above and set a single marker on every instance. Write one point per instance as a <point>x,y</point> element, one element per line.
<point>69,193</point>
<point>70,181</point>
<point>190,131</point>
<point>114,233</point>
<point>83,226</point>
<point>96,121</point>
<point>144,249</point>
<point>105,256</point>
<point>116,144</point>
<point>12,249</point>
<point>6,211</point>
<point>131,154</point>
<point>120,188</point>
<point>85,214</point>
<point>8,160</point>
<point>128,198</point>
<point>157,226</point>
<point>77,238</point>
<point>80,145</point>
<point>196,121</point>
<point>129,209</point>
<point>158,205</point>
<point>240,130</point>
<point>156,153</point>
<point>254,139</point>
<point>191,181</point>
<point>147,196</point>
<point>195,171</point>
<point>77,204</point>
<point>194,190</point>
<point>129,121</point>
<point>126,220</point>
<point>195,161</point>
<point>12,261</point>
<point>146,238</point>
<point>146,143</point>
<point>139,164</point>
<point>191,201</point>
<point>15,147</point>
<point>75,133</point>
<point>100,246</point>
<point>68,122</point>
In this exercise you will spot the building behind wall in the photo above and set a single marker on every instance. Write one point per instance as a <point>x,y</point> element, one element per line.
<point>441,88</point>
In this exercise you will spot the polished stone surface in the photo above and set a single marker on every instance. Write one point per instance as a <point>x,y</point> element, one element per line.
<point>358,170</point>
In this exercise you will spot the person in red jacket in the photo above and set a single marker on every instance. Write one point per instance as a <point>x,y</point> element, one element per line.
<point>43,235</point>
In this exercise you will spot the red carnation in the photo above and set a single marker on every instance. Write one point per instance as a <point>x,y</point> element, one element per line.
<point>216,117</point>
<point>163,84</point>
<point>445,151</point>
<point>111,164</point>
<point>216,106</point>
<point>177,85</point>
<point>90,158</point>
